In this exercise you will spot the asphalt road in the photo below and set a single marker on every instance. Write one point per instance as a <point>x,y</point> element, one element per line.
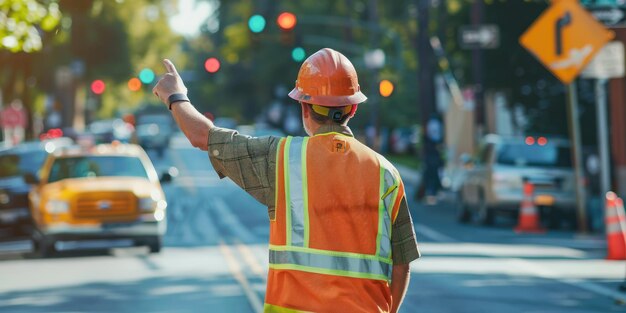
<point>215,260</point>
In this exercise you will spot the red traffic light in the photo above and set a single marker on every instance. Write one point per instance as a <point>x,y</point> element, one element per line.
<point>286,20</point>
<point>98,86</point>
<point>212,65</point>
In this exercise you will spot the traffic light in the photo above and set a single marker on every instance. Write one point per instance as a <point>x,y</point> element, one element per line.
<point>256,23</point>
<point>146,76</point>
<point>298,54</point>
<point>286,21</point>
<point>212,65</point>
<point>134,84</point>
<point>386,88</point>
<point>98,86</point>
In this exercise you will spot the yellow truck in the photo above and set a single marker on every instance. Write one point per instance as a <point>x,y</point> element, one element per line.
<point>88,197</point>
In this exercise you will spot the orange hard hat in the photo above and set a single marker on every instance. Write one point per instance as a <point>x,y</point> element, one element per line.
<point>328,78</point>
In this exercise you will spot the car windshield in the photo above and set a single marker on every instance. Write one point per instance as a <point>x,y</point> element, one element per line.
<point>18,164</point>
<point>534,155</point>
<point>96,166</point>
<point>154,118</point>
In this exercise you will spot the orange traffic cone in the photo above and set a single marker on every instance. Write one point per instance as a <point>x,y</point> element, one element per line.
<point>528,221</point>
<point>615,227</point>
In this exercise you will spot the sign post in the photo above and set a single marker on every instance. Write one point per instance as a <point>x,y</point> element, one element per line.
<point>565,38</point>
<point>607,64</point>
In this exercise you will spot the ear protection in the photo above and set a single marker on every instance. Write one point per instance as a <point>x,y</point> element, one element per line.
<point>336,115</point>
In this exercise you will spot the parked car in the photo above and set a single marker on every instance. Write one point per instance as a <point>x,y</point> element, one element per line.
<point>404,140</point>
<point>106,131</point>
<point>26,158</point>
<point>154,131</point>
<point>87,197</point>
<point>495,182</point>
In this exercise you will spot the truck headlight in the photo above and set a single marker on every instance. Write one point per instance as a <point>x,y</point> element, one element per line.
<point>57,206</point>
<point>147,204</point>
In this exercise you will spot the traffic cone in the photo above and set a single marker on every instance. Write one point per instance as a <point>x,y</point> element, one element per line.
<point>528,221</point>
<point>615,227</point>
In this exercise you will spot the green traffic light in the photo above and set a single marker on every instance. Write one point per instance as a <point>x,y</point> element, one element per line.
<point>146,76</point>
<point>298,54</point>
<point>256,23</point>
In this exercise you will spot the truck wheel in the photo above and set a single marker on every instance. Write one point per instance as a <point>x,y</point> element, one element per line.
<point>44,248</point>
<point>155,245</point>
<point>463,214</point>
<point>485,214</point>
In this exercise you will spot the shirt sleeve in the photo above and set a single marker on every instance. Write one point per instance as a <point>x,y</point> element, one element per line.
<point>403,243</point>
<point>250,162</point>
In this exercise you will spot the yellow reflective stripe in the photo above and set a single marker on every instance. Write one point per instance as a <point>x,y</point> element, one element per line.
<point>332,253</point>
<point>389,190</point>
<point>331,133</point>
<point>327,271</point>
<point>287,197</point>
<point>270,308</point>
<point>305,192</point>
<point>276,177</point>
<point>381,209</point>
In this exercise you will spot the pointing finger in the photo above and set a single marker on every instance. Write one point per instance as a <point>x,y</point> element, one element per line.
<point>169,66</point>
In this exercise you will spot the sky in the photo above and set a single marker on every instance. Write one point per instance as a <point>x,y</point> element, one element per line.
<point>191,14</point>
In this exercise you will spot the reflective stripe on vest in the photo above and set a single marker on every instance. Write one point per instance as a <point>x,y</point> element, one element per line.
<point>297,255</point>
<point>324,263</point>
<point>388,194</point>
<point>295,191</point>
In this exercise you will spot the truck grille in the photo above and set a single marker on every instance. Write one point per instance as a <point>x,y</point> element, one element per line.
<point>105,205</point>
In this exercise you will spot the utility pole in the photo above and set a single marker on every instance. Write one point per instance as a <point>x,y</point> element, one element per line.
<point>477,70</point>
<point>374,99</point>
<point>430,155</point>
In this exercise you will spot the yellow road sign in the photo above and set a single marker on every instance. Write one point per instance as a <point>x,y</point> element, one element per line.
<point>565,38</point>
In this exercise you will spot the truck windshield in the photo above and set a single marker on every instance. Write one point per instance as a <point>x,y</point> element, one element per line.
<point>21,163</point>
<point>534,155</point>
<point>96,166</point>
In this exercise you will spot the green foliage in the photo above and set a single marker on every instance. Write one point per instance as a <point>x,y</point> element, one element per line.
<point>257,63</point>
<point>21,20</point>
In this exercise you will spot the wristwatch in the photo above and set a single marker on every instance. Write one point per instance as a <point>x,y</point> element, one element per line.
<point>177,97</point>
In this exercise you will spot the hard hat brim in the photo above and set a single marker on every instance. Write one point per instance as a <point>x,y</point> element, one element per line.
<point>328,101</point>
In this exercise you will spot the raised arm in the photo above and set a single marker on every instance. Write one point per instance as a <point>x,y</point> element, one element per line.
<point>194,125</point>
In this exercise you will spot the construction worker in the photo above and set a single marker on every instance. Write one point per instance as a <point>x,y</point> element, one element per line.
<point>341,237</point>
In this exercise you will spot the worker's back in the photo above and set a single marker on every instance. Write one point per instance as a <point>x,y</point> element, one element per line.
<point>330,248</point>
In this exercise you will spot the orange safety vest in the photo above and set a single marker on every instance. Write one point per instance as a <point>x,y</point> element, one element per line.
<point>330,241</point>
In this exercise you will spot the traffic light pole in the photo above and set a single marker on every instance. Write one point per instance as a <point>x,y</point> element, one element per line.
<point>574,127</point>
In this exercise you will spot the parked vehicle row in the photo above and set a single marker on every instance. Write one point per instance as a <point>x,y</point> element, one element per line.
<point>67,197</point>
<point>493,182</point>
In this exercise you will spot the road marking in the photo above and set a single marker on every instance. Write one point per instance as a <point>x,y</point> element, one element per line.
<point>589,286</point>
<point>181,164</point>
<point>236,271</point>
<point>433,234</point>
<point>251,260</point>
<point>230,221</point>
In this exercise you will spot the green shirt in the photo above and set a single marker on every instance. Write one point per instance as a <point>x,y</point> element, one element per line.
<point>251,163</point>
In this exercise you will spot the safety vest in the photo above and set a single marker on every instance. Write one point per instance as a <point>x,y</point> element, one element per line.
<point>330,241</point>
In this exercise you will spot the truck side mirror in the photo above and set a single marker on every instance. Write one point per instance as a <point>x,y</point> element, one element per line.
<point>31,179</point>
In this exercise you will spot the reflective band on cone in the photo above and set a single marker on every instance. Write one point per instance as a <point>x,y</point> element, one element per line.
<point>615,227</point>
<point>528,221</point>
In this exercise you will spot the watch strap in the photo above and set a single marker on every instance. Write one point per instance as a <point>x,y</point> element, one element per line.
<point>176,97</point>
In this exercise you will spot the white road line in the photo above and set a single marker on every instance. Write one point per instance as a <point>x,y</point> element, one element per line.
<point>582,284</point>
<point>251,260</point>
<point>235,269</point>
<point>181,164</point>
<point>433,234</point>
<point>231,221</point>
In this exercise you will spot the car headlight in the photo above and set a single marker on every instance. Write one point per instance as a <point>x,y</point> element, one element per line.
<point>147,204</point>
<point>57,206</point>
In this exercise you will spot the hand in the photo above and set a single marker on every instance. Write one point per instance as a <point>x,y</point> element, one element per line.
<point>170,83</point>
